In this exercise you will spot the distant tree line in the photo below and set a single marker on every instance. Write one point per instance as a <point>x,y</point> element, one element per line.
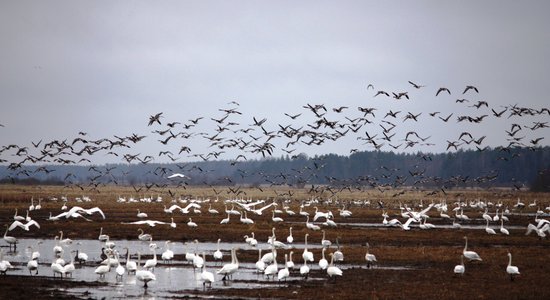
<point>509,167</point>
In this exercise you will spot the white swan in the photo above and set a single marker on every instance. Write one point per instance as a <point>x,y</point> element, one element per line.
<point>333,270</point>
<point>489,230</point>
<point>325,242</point>
<point>290,238</point>
<point>246,219</point>
<point>12,241</point>
<point>191,223</point>
<point>459,269</point>
<point>226,220</point>
<point>230,268</point>
<point>218,255</point>
<point>323,263</point>
<point>260,264</point>
<point>151,263</point>
<point>502,229</point>
<point>272,268</point>
<point>311,225</point>
<point>144,236</point>
<point>307,255</point>
<point>284,273</point>
<point>103,269</point>
<point>470,255</point>
<point>168,254</point>
<point>144,275</point>
<point>511,270</point>
<point>370,258</point>
<point>102,237</point>
<point>206,277</point>
<point>304,270</point>
<point>290,263</point>
<point>338,255</point>
<point>276,219</point>
<point>131,266</point>
<point>141,215</point>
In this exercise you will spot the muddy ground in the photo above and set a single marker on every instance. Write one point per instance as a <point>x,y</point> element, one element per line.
<point>428,255</point>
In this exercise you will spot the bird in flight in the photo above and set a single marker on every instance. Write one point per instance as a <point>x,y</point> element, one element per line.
<point>442,89</point>
<point>155,118</point>
<point>470,87</point>
<point>416,85</point>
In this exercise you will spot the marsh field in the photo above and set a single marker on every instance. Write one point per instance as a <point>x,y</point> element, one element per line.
<point>412,264</point>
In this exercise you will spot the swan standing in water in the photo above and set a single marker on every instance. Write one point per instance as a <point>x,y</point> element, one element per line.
<point>144,236</point>
<point>218,255</point>
<point>131,265</point>
<point>370,258</point>
<point>12,241</point>
<point>307,255</point>
<point>206,277</point>
<point>333,270</point>
<point>144,275</point>
<point>338,255</point>
<point>260,264</point>
<point>489,230</point>
<point>502,229</point>
<point>168,254</point>
<point>284,272</point>
<point>272,268</point>
<point>230,268</point>
<point>304,270</point>
<point>459,269</point>
<point>323,263</point>
<point>290,263</point>
<point>290,238</point>
<point>470,255</point>
<point>511,270</point>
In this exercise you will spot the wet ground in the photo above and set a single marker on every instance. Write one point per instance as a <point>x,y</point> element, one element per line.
<point>411,264</point>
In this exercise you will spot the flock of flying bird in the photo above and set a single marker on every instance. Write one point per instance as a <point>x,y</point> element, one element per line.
<point>227,138</point>
<point>234,137</point>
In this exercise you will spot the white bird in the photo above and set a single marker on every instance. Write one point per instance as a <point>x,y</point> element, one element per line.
<point>323,263</point>
<point>470,255</point>
<point>540,231</point>
<point>325,242</point>
<point>31,207</point>
<point>144,275</point>
<point>19,218</point>
<point>290,238</point>
<point>102,237</point>
<point>38,206</point>
<point>272,269</point>
<point>32,265</point>
<point>168,254</point>
<point>176,175</point>
<point>212,211</point>
<point>307,255</point>
<point>276,219</point>
<point>260,264</point>
<point>370,258</point>
<point>333,270</point>
<point>12,241</point>
<point>284,273</point>
<point>338,255</point>
<point>151,223</point>
<point>69,268</point>
<point>191,223</point>
<point>141,214</point>
<point>25,226</point>
<point>103,269</point>
<point>57,269</point>
<point>77,210</point>
<point>80,257</point>
<point>226,220</point>
<point>230,268</point>
<point>304,270</point>
<point>119,270</point>
<point>489,230</point>
<point>198,261</point>
<point>131,266</point>
<point>456,225</point>
<point>511,270</point>
<point>206,277</point>
<point>144,236</point>
<point>459,269</point>
<point>218,255</point>
<point>502,229</point>
<point>246,219</point>
<point>311,225</point>
<point>290,263</point>
<point>172,223</point>
<point>303,213</point>
<point>151,263</point>
<point>251,240</point>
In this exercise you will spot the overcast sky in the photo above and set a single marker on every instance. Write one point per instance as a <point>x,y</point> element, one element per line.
<point>103,67</point>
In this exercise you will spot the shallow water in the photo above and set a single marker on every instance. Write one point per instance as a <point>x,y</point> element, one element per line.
<point>172,278</point>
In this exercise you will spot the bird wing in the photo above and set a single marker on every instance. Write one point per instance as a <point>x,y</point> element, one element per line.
<point>94,210</point>
<point>16,224</point>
